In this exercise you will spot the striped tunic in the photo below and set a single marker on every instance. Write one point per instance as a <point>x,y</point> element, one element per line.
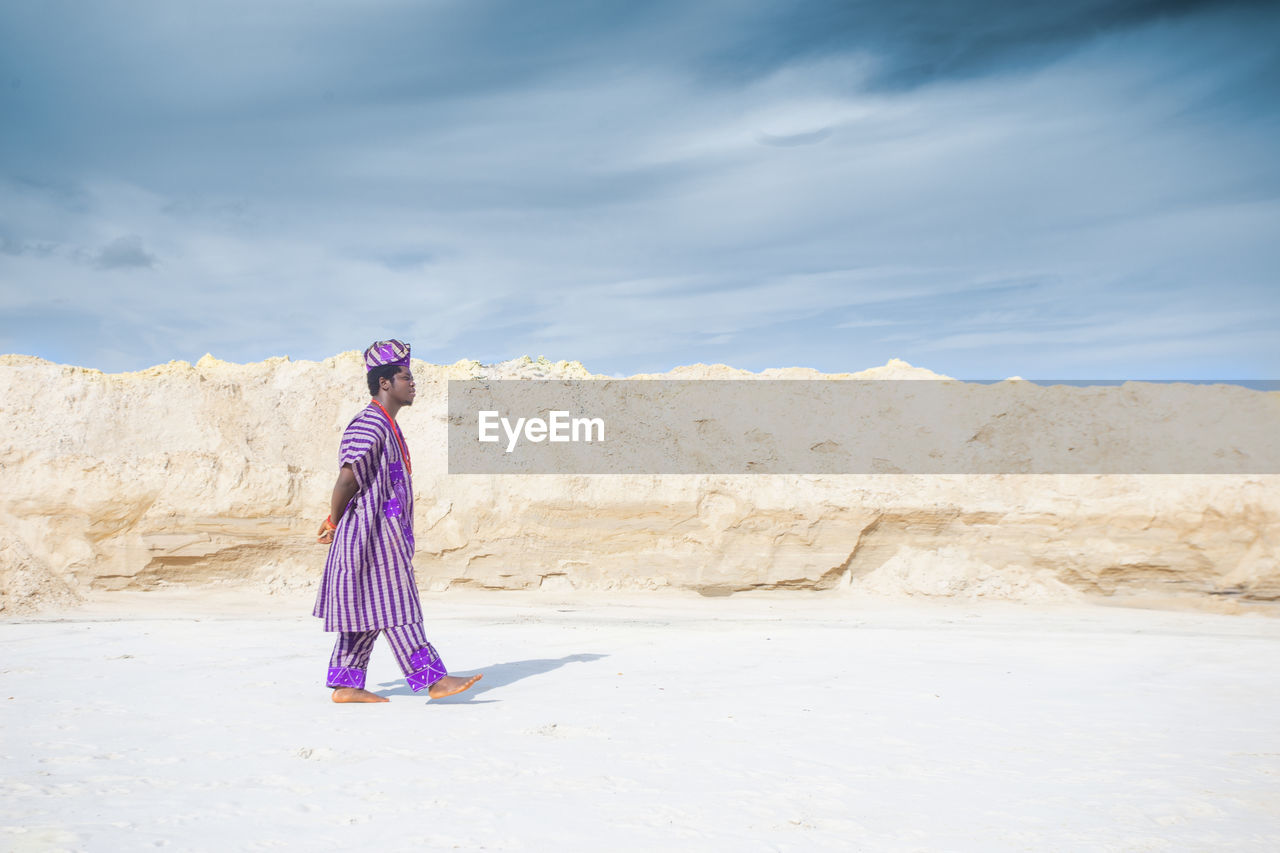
<point>368,578</point>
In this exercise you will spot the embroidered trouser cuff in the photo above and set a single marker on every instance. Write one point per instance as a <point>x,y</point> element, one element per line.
<point>427,668</point>
<point>345,676</point>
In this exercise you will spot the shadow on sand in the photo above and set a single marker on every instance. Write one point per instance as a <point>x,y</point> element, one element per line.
<point>498,675</point>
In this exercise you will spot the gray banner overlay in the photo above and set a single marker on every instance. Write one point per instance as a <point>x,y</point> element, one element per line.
<point>631,426</point>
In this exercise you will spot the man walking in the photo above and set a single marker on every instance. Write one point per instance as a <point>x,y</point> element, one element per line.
<point>368,585</point>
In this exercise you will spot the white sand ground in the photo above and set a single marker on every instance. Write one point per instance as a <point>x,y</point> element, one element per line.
<point>784,722</point>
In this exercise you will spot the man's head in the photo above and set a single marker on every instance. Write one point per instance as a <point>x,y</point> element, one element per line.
<point>387,369</point>
<point>395,380</point>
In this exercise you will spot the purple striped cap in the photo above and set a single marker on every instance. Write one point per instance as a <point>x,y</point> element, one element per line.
<point>386,352</point>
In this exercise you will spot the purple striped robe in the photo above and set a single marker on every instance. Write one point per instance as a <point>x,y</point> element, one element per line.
<point>368,578</point>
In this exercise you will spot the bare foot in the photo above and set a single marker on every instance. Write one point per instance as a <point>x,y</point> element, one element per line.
<point>356,694</point>
<point>449,685</point>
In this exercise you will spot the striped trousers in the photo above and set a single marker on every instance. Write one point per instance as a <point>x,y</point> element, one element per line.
<point>418,659</point>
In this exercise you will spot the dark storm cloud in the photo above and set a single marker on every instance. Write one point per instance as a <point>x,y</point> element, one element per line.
<point>922,41</point>
<point>191,97</point>
<point>79,68</point>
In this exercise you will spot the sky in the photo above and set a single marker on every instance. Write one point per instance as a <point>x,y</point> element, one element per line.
<point>1075,189</point>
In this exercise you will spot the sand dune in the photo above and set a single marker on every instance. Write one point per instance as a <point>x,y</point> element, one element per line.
<point>217,473</point>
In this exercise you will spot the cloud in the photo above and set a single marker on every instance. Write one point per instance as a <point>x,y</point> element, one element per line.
<point>813,137</point>
<point>10,246</point>
<point>124,253</point>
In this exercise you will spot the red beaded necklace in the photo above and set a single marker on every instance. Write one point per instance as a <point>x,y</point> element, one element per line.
<point>404,450</point>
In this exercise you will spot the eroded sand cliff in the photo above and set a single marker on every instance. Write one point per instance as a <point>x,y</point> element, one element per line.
<point>219,472</point>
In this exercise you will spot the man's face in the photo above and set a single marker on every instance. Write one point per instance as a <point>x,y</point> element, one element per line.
<point>402,388</point>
